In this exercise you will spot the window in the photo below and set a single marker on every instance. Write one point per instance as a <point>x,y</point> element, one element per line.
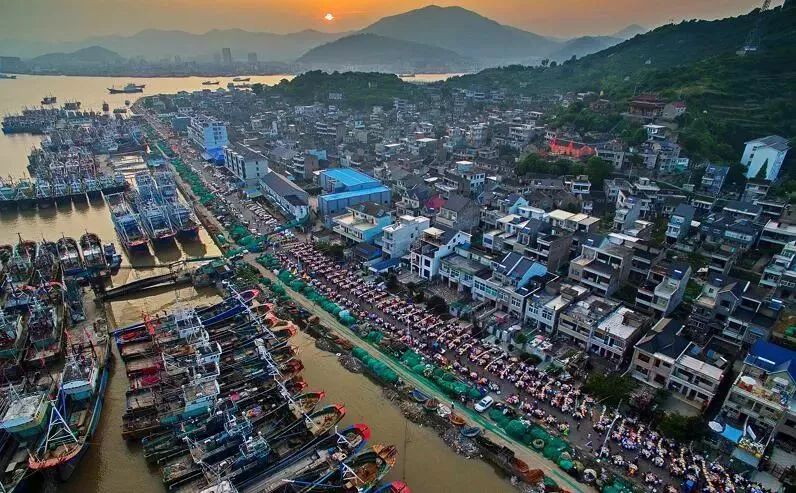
<point>644,358</point>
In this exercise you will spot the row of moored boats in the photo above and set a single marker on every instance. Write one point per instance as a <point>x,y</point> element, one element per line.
<point>151,212</point>
<point>217,398</point>
<point>54,363</point>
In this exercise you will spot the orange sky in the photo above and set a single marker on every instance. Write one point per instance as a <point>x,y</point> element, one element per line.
<point>77,19</point>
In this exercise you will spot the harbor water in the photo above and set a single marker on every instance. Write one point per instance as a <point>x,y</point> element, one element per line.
<point>112,465</point>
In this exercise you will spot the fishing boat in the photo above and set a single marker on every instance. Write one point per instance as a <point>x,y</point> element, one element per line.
<point>45,332</point>
<point>72,105</point>
<point>93,255</point>
<point>113,259</point>
<point>127,225</point>
<point>208,316</point>
<point>5,253</point>
<point>47,100</point>
<point>330,451</point>
<point>419,396</point>
<point>106,107</point>
<point>241,79</point>
<point>69,257</point>
<point>359,474</point>
<point>13,337</point>
<point>157,222</point>
<point>20,265</point>
<point>210,83</point>
<point>76,409</point>
<point>394,487</point>
<point>27,413</point>
<point>264,446</point>
<point>127,89</point>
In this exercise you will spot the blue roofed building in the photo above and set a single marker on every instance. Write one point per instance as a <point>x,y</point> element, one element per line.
<point>760,408</point>
<point>713,179</point>
<point>345,187</point>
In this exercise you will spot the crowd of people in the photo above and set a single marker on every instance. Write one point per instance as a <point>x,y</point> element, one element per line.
<point>538,396</point>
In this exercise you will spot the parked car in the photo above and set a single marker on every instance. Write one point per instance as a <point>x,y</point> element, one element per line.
<point>484,404</point>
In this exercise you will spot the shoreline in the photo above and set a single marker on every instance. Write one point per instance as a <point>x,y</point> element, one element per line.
<point>418,77</point>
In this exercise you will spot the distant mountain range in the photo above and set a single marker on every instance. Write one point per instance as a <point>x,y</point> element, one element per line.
<point>93,55</point>
<point>470,40</point>
<point>370,52</point>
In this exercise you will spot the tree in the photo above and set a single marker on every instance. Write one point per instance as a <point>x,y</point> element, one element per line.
<point>545,62</point>
<point>553,64</point>
<point>598,170</point>
<point>762,173</point>
<point>610,389</point>
<point>636,160</point>
<point>258,88</point>
<point>682,428</point>
<point>437,304</point>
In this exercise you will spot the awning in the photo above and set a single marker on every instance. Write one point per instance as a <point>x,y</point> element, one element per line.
<point>745,457</point>
<point>384,265</point>
<point>367,251</point>
<point>253,193</point>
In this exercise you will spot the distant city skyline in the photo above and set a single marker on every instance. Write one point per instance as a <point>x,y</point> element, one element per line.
<point>51,20</point>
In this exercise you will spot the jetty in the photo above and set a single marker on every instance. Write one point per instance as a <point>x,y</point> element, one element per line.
<point>205,275</point>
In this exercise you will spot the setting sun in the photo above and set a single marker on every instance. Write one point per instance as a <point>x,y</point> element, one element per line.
<point>329,17</point>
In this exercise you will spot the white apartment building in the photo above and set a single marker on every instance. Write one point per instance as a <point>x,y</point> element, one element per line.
<point>247,165</point>
<point>208,133</point>
<point>434,244</point>
<point>769,151</point>
<point>398,238</point>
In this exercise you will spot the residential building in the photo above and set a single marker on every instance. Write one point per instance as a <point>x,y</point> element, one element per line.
<point>602,265</point>
<point>646,107</point>
<point>665,359</point>
<point>226,56</point>
<point>768,152</point>
<point>289,197</point>
<point>760,407</point>
<point>722,229</point>
<point>459,212</point>
<point>247,165</point>
<point>680,223</point>
<point>544,306</point>
<point>602,326</point>
<point>434,244</point>
<point>399,237</point>
<point>755,190</point>
<point>778,232</point>
<point>664,288</point>
<point>713,179</point>
<point>574,223</point>
<point>208,133</point>
<point>719,297</point>
<point>459,272</point>
<point>363,223</point>
<point>510,284</point>
<point>781,271</point>
<point>577,185</point>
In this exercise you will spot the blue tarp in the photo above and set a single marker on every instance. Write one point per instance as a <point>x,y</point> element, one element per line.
<point>732,434</point>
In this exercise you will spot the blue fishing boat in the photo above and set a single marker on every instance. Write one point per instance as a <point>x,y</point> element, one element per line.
<point>127,224</point>
<point>76,409</point>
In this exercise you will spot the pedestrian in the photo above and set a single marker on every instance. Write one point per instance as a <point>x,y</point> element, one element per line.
<point>577,426</point>
<point>453,406</point>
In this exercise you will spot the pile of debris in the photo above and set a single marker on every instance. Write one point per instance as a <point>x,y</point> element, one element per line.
<point>461,445</point>
<point>412,411</point>
<point>350,363</point>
